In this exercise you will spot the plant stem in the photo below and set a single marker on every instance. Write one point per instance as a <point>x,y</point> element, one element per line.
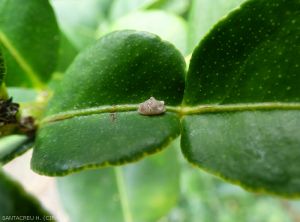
<point>123,195</point>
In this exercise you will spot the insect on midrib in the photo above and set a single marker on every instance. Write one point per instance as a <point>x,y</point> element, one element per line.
<point>180,110</point>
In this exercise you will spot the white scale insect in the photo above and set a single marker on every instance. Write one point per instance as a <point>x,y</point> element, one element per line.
<point>152,107</point>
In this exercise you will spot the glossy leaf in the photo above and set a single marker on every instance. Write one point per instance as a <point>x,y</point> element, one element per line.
<point>15,202</point>
<point>243,83</point>
<point>169,27</point>
<point>14,146</point>
<point>84,111</point>
<point>240,110</point>
<point>30,39</point>
<point>144,191</point>
<point>204,14</point>
<point>248,148</point>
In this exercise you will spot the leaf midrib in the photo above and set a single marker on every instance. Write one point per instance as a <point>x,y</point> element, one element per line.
<point>180,110</point>
<point>31,74</point>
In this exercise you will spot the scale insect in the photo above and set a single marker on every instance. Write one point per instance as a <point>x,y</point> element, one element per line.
<point>152,107</point>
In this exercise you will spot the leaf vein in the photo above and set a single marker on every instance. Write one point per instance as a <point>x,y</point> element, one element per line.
<point>180,110</point>
<point>31,74</point>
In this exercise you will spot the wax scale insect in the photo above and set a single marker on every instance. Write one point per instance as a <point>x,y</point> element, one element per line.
<point>152,107</point>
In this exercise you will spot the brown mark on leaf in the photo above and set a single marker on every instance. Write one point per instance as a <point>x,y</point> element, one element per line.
<point>113,116</point>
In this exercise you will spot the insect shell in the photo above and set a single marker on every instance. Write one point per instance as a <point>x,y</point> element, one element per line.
<point>152,107</point>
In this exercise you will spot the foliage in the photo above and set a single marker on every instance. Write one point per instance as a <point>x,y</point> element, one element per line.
<point>235,105</point>
<point>15,202</point>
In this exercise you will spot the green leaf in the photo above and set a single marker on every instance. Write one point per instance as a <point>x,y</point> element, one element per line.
<point>15,202</point>
<point>120,8</point>
<point>30,39</point>
<point>80,26</point>
<point>240,113</point>
<point>178,7</point>
<point>144,191</point>
<point>204,14</point>
<point>2,67</point>
<point>206,198</point>
<point>3,90</point>
<point>14,146</point>
<point>243,89</point>
<point>169,27</point>
<point>67,53</point>
<point>98,98</point>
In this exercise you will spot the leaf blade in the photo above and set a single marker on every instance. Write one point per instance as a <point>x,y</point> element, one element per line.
<point>244,150</point>
<point>204,14</point>
<point>133,138</point>
<point>15,202</point>
<point>2,67</point>
<point>148,190</point>
<point>235,73</point>
<point>231,70</point>
<point>117,70</point>
<point>172,29</point>
<point>13,146</point>
<point>35,22</point>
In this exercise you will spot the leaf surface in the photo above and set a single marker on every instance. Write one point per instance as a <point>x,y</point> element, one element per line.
<point>29,34</point>
<point>67,53</point>
<point>13,146</point>
<point>15,202</point>
<point>98,100</point>
<point>207,198</point>
<point>242,86</point>
<point>2,67</point>
<point>240,109</point>
<point>178,7</point>
<point>169,27</point>
<point>121,8</point>
<point>204,14</point>
<point>144,191</point>
<point>80,26</point>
